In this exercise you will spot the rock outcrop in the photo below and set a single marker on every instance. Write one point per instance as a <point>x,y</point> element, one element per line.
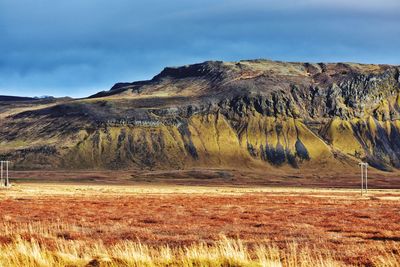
<point>247,114</point>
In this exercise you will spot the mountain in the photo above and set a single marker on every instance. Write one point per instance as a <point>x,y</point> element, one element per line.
<point>249,114</point>
<point>4,98</point>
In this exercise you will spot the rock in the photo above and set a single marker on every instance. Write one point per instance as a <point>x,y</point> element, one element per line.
<point>218,114</point>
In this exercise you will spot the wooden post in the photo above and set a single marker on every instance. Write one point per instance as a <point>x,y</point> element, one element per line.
<point>4,173</point>
<point>366,178</point>
<point>7,182</point>
<point>1,179</point>
<point>362,177</point>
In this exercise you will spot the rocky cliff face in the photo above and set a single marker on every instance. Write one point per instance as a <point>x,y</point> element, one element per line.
<point>248,114</point>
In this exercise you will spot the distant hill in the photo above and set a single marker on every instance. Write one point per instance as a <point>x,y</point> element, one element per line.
<point>15,98</point>
<point>247,114</point>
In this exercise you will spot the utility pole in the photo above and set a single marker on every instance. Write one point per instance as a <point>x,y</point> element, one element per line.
<point>364,177</point>
<point>1,178</point>
<point>4,177</point>
<point>7,182</point>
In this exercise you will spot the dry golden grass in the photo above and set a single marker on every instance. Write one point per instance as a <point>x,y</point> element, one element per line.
<point>224,252</point>
<point>165,225</point>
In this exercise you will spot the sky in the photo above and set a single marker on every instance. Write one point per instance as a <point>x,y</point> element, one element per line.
<point>79,47</point>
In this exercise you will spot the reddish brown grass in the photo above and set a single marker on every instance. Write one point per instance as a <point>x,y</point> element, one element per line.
<point>341,222</point>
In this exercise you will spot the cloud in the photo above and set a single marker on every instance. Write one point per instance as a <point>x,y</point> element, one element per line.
<point>79,47</point>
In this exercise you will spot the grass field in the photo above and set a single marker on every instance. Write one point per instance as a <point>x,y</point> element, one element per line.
<point>176,225</point>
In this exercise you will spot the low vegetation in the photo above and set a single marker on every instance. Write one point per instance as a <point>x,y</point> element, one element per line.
<point>91,225</point>
<point>224,252</point>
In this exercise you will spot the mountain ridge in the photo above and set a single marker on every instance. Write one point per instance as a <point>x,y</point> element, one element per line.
<point>251,113</point>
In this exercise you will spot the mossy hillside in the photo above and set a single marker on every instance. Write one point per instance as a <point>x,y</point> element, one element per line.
<point>206,141</point>
<point>341,136</point>
<point>218,114</point>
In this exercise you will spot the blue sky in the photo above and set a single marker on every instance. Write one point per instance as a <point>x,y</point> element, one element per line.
<point>79,47</point>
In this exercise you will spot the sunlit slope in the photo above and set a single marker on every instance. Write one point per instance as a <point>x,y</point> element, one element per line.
<point>207,140</point>
<point>248,114</point>
<point>376,141</point>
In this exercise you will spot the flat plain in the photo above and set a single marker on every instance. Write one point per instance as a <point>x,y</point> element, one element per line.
<point>334,226</point>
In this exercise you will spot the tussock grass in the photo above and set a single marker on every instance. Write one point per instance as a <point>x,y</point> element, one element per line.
<point>225,252</point>
<point>45,244</point>
<point>103,226</point>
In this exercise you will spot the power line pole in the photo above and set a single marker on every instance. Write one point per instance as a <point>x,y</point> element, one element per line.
<point>4,177</point>
<point>1,179</point>
<point>7,182</point>
<point>364,177</point>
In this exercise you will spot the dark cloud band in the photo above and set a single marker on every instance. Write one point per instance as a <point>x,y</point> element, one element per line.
<point>80,47</point>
